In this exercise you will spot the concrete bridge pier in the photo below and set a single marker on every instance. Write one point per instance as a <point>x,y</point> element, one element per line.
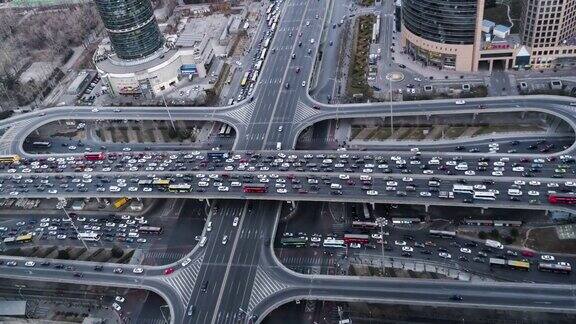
<point>426,208</point>
<point>373,205</point>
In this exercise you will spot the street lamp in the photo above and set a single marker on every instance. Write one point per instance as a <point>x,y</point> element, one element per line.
<point>390,101</point>
<point>168,111</point>
<point>381,221</point>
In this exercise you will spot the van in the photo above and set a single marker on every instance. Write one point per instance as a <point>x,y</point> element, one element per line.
<point>203,241</point>
<point>278,146</point>
<point>335,186</point>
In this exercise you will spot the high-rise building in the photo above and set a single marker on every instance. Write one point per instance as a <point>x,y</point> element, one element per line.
<point>548,28</point>
<point>442,33</point>
<point>131,26</point>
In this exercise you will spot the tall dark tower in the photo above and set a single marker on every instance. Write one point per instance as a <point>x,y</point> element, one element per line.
<point>131,26</point>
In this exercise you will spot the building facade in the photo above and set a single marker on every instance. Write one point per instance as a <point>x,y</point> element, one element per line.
<point>548,28</point>
<point>442,33</point>
<point>131,26</point>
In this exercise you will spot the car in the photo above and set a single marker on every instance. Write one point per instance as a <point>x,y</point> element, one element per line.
<point>460,102</point>
<point>118,270</point>
<point>191,310</point>
<point>465,250</point>
<point>548,257</point>
<point>456,298</point>
<point>372,193</point>
<point>169,271</point>
<point>138,270</point>
<point>116,307</point>
<point>355,245</point>
<point>407,249</point>
<point>119,299</point>
<point>186,262</point>
<point>224,239</point>
<point>400,243</point>
<point>445,255</point>
<point>235,221</point>
<point>30,263</point>
<point>565,264</point>
<point>303,83</point>
<point>95,109</point>
<point>204,286</point>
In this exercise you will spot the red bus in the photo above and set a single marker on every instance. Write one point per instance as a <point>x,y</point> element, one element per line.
<point>255,188</point>
<point>561,199</point>
<point>356,238</point>
<point>95,156</point>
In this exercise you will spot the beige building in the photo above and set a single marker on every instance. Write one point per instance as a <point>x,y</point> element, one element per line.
<point>548,29</point>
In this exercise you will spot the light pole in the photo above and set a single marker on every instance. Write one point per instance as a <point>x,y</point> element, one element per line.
<point>390,101</point>
<point>75,228</point>
<point>381,221</point>
<point>168,111</point>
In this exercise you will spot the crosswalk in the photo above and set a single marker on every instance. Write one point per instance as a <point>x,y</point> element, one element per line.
<point>303,111</point>
<point>155,320</point>
<point>184,279</point>
<point>264,286</point>
<point>242,113</point>
<point>164,257</point>
<point>299,260</point>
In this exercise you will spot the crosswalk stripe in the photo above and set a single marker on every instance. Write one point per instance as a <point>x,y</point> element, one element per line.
<point>264,285</point>
<point>184,280</point>
<point>303,112</point>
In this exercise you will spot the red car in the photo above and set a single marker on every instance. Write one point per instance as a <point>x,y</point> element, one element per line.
<point>527,253</point>
<point>168,271</point>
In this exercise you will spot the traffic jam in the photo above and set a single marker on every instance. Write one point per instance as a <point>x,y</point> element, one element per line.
<point>252,173</point>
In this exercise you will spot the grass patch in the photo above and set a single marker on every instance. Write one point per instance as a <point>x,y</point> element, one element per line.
<point>358,70</point>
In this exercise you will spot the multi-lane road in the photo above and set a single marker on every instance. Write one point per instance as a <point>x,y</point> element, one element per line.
<point>243,278</point>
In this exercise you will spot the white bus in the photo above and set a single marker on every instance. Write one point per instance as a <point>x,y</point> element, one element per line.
<point>334,243</point>
<point>463,189</point>
<point>273,26</point>
<point>89,236</point>
<point>258,65</point>
<point>266,42</point>
<point>255,76</point>
<point>263,54</point>
<point>484,195</point>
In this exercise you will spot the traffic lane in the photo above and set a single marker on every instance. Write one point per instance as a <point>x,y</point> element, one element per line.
<point>214,263</point>
<point>246,260</point>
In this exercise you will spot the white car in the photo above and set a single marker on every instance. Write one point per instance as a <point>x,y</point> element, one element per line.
<point>116,307</point>
<point>235,221</point>
<point>533,193</point>
<point>303,83</point>
<point>400,243</point>
<point>548,257</point>
<point>445,255</point>
<point>281,190</point>
<point>138,270</point>
<point>355,245</point>
<point>425,194</point>
<point>343,177</point>
<point>376,236</point>
<point>186,262</point>
<point>534,183</point>
<point>223,188</point>
<point>407,249</point>
<point>460,102</point>
<point>407,179</point>
<point>119,299</point>
<point>30,263</point>
<point>465,250</point>
<point>95,109</point>
<point>372,193</point>
<point>224,239</point>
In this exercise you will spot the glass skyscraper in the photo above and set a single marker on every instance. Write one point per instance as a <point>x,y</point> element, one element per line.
<point>131,26</point>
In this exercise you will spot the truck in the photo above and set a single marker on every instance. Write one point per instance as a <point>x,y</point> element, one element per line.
<point>494,244</point>
<point>446,195</point>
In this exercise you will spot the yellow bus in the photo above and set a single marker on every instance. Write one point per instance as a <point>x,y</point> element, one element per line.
<point>24,238</point>
<point>161,182</point>
<point>9,158</point>
<point>119,203</point>
<point>244,79</point>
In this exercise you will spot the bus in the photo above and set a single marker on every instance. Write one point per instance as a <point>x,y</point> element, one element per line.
<point>333,243</point>
<point>356,238</point>
<point>484,195</point>
<point>42,144</point>
<point>255,188</point>
<point>463,189</point>
<point>218,155</point>
<point>181,187</point>
<point>228,131</point>
<point>150,230</point>
<point>443,234</point>
<point>258,65</point>
<point>562,199</point>
<point>512,264</point>
<point>161,182</point>
<point>364,225</point>
<point>554,267</point>
<point>366,211</point>
<point>222,129</point>
<point>119,203</point>
<point>245,79</point>
<point>263,53</point>
<point>24,238</point>
<point>270,8</point>
<point>266,42</point>
<point>294,241</point>
<point>254,76</point>
<point>273,27</point>
<point>89,236</point>
<point>9,159</point>
<point>94,156</point>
